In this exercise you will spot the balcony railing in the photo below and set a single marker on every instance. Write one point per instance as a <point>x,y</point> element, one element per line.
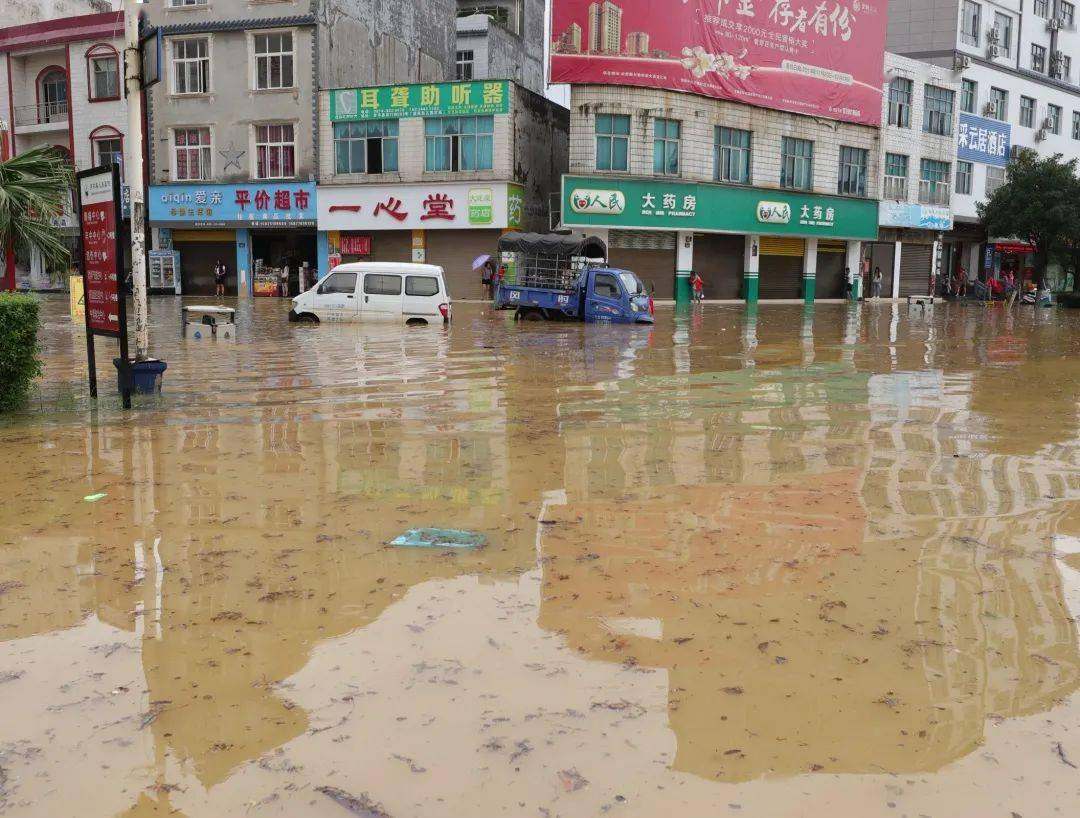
<point>895,188</point>
<point>933,193</point>
<point>42,113</point>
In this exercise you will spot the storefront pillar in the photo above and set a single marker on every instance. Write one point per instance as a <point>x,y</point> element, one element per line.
<point>853,262</point>
<point>243,261</point>
<point>809,271</point>
<point>896,269</point>
<point>751,266</point>
<point>322,254</point>
<point>684,265</point>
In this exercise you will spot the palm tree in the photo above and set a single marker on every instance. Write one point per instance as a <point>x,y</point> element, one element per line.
<point>34,186</point>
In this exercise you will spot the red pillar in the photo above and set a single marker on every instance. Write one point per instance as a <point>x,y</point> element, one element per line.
<point>7,271</point>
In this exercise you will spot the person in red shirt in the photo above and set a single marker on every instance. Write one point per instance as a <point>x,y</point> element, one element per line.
<point>698,285</point>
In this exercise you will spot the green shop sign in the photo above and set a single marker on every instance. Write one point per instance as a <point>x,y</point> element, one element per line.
<point>655,204</point>
<point>426,99</point>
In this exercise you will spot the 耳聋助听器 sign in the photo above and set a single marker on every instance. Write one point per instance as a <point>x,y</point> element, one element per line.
<point>816,57</point>
<point>982,140</point>
<point>660,205</point>
<point>469,98</point>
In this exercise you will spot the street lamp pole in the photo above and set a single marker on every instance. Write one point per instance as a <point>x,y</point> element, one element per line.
<point>133,163</point>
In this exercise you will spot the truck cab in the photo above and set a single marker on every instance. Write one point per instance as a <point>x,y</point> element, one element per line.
<point>611,294</point>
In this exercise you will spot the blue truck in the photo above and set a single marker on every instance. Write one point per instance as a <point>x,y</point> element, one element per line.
<point>562,277</point>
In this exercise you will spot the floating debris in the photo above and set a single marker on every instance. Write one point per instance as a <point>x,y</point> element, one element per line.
<point>440,538</point>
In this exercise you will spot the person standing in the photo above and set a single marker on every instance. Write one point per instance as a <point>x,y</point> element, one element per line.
<point>283,279</point>
<point>697,283</point>
<point>487,278</point>
<point>875,284</point>
<point>1010,288</point>
<point>221,272</point>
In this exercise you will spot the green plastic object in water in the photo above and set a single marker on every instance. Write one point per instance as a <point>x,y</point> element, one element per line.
<point>440,538</point>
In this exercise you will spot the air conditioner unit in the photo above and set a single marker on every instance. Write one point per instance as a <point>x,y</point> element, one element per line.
<point>1016,151</point>
<point>993,51</point>
<point>1040,135</point>
<point>1048,123</point>
<point>990,109</point>
<point>1054,24</point>
<point>961,62</point>
<point>992,34</point>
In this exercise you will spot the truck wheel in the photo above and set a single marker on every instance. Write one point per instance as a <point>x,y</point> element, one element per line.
<point>531,315</point>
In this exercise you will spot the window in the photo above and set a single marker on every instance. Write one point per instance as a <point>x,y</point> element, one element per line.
<point>934,182</point>
<point>463,62</point>
<point>421,285</point>
<point>1076,125</point>
<point>180,4</point>
<point>1027,112</point>
<point>937,110</point>
<point>343,283</point>
<point>107,147</point>
<point>1053,116</point>
<point>896,170</point>
<point>382,284</point>
<point>900,102</point>
<point>995,178</point>
<point>1003,26</point>
<point>1066,13</point>
<point>103,73</point>
<point>1042,8</point>
<point>191,66</point>
<point>459,142</point>
<point>275,151</point>
<point>273,60</point>
<point>612,142</point>
<point>605,285</point>
<point>666,146</point>
<point>963,177</point>
<point>796,163</point>
<point>970,22</point>
<point>191,154</point>
<point>1038,58</point>
<point>999,104</point>
<point>969,96</point>
<point>1064,66</point>
<point>366,147</point>
<point>733,155</point>
<point>852,175</point>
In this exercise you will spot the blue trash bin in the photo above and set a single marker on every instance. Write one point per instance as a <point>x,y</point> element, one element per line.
<point>145,375</point>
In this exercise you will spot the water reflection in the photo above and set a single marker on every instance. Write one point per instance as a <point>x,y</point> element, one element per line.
<point>824,538</point>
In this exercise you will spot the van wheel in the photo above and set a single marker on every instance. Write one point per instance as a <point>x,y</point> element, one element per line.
<point>307,318</point>
<point>416,322</point>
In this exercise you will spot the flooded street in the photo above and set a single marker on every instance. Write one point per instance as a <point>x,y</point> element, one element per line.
<point>781,563</point>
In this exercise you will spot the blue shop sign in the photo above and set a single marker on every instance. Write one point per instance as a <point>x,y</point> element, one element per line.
<point>909,214</point>
<point>982,140</point>
<point>258,204</point>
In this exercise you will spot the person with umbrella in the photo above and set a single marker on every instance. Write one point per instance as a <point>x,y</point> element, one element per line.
<point>487,274</point>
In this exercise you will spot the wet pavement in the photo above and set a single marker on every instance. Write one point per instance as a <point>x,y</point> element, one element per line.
<point>777,564</point>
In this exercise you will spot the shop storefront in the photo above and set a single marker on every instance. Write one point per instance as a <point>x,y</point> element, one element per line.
<point>910,244</point>
<point>744,242</point>
<point>264,232</point>
<point>447,224</point>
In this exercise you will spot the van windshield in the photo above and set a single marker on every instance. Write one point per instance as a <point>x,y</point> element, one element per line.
<point>632,283</point>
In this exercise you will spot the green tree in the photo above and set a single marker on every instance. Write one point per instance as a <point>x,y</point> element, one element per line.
<point>1040,203</point>
<point>34,186</point>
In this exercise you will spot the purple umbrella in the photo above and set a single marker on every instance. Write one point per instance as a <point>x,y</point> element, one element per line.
<point>480,261</point>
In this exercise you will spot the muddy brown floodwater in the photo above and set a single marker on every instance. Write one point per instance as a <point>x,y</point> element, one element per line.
<point>780,564</point>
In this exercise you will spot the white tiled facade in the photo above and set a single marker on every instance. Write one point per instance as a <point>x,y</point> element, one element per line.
<point>699,117</point>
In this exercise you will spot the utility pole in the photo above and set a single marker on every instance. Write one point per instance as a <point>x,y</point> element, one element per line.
<point>133,170</point>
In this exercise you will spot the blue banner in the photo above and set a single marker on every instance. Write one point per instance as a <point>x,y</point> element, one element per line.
<point>908,214</point>
<point>257,204</point>
<point>982,140</point>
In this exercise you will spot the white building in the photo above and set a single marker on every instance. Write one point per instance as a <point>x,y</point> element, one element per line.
<point>1018,66</point>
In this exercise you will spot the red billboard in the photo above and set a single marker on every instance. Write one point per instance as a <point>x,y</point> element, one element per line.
<point>816,57</point>
<point>101,264</point>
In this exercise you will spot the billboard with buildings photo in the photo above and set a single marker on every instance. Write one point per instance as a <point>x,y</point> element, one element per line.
<point>815,57</point>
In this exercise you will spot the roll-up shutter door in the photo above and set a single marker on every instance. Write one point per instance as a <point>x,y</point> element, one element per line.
<point>830,269</point>
<point>915,269</point>
<point>719,261</point>
<point>650,254</point>
<point>388,245</point>
<point>197,260</point>
<point>881,254</point>
<point>454,251</point>
<point>781,267</point>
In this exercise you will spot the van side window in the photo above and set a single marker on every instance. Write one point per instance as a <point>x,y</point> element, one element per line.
<point>421,285</point>
<point>380,284</point>
<point>338,283</point>
<point>605,285</point>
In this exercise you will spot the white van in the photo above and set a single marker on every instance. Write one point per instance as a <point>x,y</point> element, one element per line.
<point>377,291</point>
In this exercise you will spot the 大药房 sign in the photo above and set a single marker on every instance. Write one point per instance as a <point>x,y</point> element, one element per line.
<point>816,57</point>
<point>458,205</point>
<point>471,98</point>
<point>982,140</point>
<point>258,204</point>
<point>654,204</point>
<point>909,214</point>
